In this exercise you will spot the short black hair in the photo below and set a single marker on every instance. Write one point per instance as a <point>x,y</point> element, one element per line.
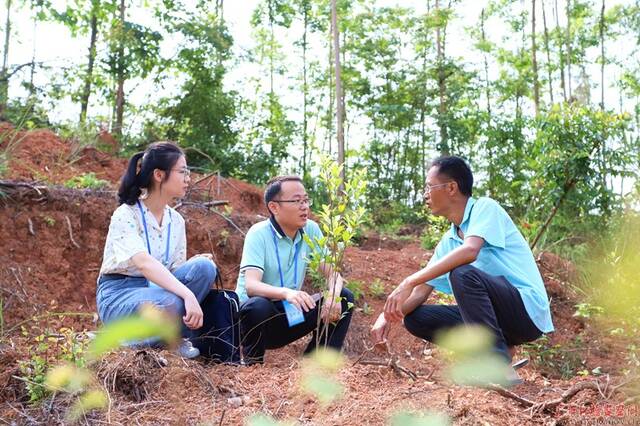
<point>456,169</point>
<point>274,186</point>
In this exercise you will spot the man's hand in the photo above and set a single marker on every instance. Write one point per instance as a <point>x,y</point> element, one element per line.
<point>193,312</point>
<point>300,299</point>
<point>380,330</point>
<point>393,305</point>
<point>331,309</point>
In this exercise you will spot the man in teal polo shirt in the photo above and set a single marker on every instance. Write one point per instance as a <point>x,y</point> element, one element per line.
<point>274,311</point>
<point>483,260</point>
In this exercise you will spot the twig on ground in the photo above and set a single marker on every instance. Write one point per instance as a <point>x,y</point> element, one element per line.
<point>393,363</point>
<point>222,417</point>
<point>71,232</point>
<point>19,281</point>
<point>366,351</point>
<point>31,231</point>
<point>508,394</point>
<point>537,407</point>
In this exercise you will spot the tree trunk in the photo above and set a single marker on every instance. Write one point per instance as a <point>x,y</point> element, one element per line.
<point>546,48</point>
<point>120,88</point>
<point>4,73</point>
<point>602,58</point>
<point>442,108</point>
<point>561,55</point>
<point>534,59</point>
<point>86,93</point>
<point>305,88</point>
<point>339,104</point>
<point>569,47</point>
<point>488,96</point>
<point>32,88</point>
<point>271,41</point>
<point>331,92</point>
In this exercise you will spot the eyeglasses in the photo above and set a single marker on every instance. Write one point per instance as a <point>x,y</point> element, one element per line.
<point>428,188</point>
<point>298,201</point>
<point>186,173</point>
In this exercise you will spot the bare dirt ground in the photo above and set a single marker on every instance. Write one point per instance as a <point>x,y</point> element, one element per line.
<point>50,254</point>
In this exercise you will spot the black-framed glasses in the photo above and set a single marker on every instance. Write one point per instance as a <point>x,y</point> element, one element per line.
<point>298,201</point>
<point>428,188</point>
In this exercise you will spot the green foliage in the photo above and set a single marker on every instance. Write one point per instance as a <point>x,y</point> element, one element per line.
<point>27,114</point>
<point>356,287</point>
<point>611,270</point>
<point>556,361</point>
<point>339,217</point>
<point>149,323</point>
<point>86,181</point>
<point>264,420</point>
<point>376,289</point>
<point>200,116</point>
<point>587,310</point>
<point>433,232</point>
<point>48,349</point>
<point>406,418</point>
<point>9,142</point>
<point>58,361</point>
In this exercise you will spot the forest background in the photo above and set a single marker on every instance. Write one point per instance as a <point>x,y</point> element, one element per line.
<point>540,96</point>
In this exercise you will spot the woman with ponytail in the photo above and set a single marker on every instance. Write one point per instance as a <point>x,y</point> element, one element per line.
<point>144,259</point>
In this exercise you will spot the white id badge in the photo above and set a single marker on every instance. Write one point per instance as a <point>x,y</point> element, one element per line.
<point>294,315</point>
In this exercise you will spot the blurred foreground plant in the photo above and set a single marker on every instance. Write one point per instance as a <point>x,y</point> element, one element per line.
<point>80,381</point>
<point>473,359</point>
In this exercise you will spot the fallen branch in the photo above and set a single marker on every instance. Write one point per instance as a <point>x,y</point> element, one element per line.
<point>213,203</point>
<point>31,231</point>
<point>14,185</point>
<point>229,220</point>
<point>205,177</point>
<point>537,407</point>
<point>71,232</point>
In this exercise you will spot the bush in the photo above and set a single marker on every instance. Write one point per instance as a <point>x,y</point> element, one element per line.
<point>86,181</point>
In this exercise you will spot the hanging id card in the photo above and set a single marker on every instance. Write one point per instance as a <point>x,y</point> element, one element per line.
<point>294,315</point>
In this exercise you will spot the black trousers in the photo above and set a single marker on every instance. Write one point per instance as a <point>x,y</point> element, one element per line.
<point>482,299</point>
<point>263,325</point>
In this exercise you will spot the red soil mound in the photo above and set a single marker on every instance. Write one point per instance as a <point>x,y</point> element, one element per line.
<point>40,155</point>
<point>50,254</point>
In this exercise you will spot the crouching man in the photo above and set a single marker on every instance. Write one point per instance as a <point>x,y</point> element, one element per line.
<point>483,260</point>
<point>274,311</point>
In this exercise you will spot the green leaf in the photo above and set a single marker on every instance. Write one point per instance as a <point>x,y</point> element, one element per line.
<point>151,323</point>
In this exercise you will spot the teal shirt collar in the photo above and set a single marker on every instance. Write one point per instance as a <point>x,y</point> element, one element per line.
<point>465,218</point>
<point>280,233</point>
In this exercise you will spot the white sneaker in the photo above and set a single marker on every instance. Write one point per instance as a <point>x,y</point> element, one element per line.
<point>187,350</point>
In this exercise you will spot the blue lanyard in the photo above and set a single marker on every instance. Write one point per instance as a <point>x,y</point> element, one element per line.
<point>146,234</point>
<point>295,260</point>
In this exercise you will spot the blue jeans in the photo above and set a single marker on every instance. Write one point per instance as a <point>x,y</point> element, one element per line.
<point>120,296</point>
